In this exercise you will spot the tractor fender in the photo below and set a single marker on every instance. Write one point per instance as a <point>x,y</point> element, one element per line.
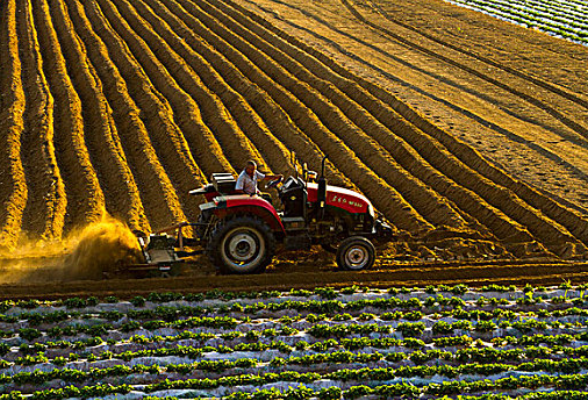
<point>249,205</point>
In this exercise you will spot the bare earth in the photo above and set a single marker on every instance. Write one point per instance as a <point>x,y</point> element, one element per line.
<point>518,96</point>
<point>469,134</point>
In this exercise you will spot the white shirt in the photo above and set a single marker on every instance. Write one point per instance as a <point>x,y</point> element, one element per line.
<point>248,184</point>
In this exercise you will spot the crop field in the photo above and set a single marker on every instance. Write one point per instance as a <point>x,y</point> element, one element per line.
<point>469,134</point>
<point>565,19</point>
<point>499,342</point>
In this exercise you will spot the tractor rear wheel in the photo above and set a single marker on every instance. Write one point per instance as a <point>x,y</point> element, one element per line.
<point>356,253</point>
<point>242,245</point>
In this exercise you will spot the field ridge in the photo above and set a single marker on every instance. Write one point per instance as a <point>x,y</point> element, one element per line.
<point>123,107</point>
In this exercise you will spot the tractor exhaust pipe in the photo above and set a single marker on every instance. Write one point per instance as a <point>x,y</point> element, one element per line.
<point>322,190</point>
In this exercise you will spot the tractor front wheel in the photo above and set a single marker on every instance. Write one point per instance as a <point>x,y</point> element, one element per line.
<point>242,245</point>
<point>356,253</point>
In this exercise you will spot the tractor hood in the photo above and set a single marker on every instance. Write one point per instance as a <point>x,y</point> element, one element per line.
<point>345,199</point>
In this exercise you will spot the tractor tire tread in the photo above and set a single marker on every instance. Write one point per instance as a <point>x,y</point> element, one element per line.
<point>214,244</point>
<point>350,241</point>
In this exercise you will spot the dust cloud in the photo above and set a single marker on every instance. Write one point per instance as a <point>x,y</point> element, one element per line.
<point>86,253</point>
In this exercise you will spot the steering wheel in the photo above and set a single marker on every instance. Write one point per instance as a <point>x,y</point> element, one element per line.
<point>274,183</point>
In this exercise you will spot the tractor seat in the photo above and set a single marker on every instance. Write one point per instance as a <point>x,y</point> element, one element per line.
<point>223,182</point>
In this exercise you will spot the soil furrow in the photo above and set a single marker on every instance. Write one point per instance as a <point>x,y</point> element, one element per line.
<point>536,224</point>
<point>431,151</point>
<point>305,108</point>
<point>570,123</point>
<point>482,123</point>
<point>307,276</point>
<point>168,142</point>
<point>46,204</point>
<point>13,186</point>
<point>351,123</point>
<point>122,197</point>
<point>161,203</point>
<point>406,156</point>
<point>171,76</point>
<point>462,48</point>
<point>251,124</point>
<point>85,200</point>
<point>502,226</point>
<point>199,54</point>
<point>433,208</point>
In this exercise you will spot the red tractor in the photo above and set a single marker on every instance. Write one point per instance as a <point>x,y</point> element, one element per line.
<point>240,232</point>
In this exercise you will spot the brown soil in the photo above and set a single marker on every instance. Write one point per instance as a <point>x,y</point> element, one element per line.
<point>13,187</point>
<point>122,196</point>
<point>305,275</point>
<point>468,133</point>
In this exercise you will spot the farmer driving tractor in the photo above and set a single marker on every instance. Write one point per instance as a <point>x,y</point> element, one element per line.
<point>247,180</point>
<point>240,231</point>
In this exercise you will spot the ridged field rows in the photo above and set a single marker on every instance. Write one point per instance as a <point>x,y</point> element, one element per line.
<point>125,106</point>
<point>352,343</point>
<point>308,109</point>
<point>169,142</point>
<point>44,213</point>
<point>573,221</point>
<point>122,197</point>
<point>13,187</point>
<point>353,130</point>
<point>157,193</point>
<point>410,160</point>
<point>85,200</point>
<point>555,85</point>
<point>251,131</point>
<point>390,129</point>
<point>469,170</point>
<point>250,127</point>
<point>207,150</point>
<point>214,68</point>
<point>532,94</point>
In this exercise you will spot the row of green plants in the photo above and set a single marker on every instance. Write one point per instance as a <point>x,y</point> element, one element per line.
<point>550,25</point>
<point>344,343</point>
<point>438,328</point>
<point>536,10</point>
<point>68,375</point>
<point>406,390</point>
<point>408,330</point>
<point>415,329</point>
<point>571,381</point>
<point>329,309</point>
<point>324,292</point>
<point>477,352</point>
<point>32,334</point>
<point>333,393</point>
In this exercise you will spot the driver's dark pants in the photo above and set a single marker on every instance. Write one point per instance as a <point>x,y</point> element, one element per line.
<point>266,196</point>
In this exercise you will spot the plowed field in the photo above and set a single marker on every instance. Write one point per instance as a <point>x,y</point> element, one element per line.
<point>469,134</point>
